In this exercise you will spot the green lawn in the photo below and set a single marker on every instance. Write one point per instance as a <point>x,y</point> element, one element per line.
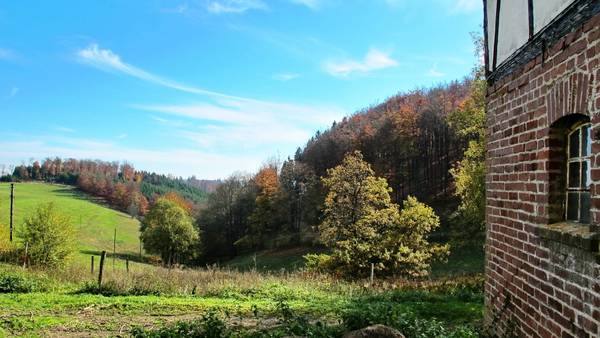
<point>95,222</point>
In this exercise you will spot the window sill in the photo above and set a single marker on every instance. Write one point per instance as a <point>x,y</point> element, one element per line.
<point>581,236</point>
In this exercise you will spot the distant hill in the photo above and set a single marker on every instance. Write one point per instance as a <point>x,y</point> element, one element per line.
<point>95,222</point>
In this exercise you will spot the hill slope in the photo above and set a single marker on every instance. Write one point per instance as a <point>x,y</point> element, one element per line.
<point>95,222</point>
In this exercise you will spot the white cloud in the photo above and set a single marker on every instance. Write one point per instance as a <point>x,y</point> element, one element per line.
<point>312,4</point>
<point>434,72</point>
<point>246,125</point>
<point>106,60</point>
<point>179,161</point>
<point>374,60</point>
<point>122,136</point>
<point>250,124</point>
<point>285,76</point>
<point>234,6</point>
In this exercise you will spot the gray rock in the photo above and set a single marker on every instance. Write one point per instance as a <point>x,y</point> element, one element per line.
<point>375,331</point>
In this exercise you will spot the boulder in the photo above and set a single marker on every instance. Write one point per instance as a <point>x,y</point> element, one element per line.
<point>375,331</point>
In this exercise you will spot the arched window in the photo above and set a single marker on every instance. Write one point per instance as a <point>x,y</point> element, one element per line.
<point>579,146</point>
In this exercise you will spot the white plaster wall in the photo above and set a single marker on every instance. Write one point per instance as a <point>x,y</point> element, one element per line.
<point>491,28</point>
<point>514,27</point>
<point>544,11</point>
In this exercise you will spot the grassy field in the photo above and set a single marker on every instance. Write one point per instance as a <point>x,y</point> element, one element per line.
<point>68,303</point>
<point>270,298</point>
<point>94,222</point>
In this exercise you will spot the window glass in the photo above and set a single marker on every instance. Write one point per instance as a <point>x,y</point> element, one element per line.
<point>578,175</point>
<point>574,174</point>
<point>574,144</point>
<point>584,174</point>
<point>586,146</point>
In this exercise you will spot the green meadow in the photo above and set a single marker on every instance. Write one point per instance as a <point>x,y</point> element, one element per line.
<point>266,294</point>
<point>94,221</point>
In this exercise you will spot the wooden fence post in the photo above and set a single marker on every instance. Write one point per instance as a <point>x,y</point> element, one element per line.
<point>127,265</point>
<point>372,273</point>
<point>92,264</point>
<point>12,200</point>
<point>102,257</point>
<point>26,255</point>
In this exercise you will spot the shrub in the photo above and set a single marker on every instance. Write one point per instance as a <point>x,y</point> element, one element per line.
<point>19,283</point>
<point>49,236</point>
<point>411,326</point>
<point>318,262</point>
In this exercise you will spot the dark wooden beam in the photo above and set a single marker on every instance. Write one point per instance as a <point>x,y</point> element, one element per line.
<point>497,24</point>
<point>530,11</point>
<point>486,38</point>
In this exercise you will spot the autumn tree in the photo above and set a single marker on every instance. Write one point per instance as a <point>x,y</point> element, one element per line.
<point>264,220</point>
<point>168,231</point>
<point>362,226</point>
<point>180,201</point>
<point>469,173</point>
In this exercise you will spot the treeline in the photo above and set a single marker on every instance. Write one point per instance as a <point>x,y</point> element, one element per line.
<point>119,184</point>
<point>408,140</point>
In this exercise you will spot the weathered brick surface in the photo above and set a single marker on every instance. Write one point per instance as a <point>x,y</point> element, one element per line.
<point>542,280</point>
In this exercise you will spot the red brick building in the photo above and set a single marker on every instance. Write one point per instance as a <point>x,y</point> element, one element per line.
<point>543,167</point>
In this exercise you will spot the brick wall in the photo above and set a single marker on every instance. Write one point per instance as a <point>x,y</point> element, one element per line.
<point>543,276</point>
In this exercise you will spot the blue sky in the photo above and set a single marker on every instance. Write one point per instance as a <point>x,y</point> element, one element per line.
<point>209,87</point>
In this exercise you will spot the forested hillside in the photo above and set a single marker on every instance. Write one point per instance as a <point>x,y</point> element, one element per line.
<point>120,185</point>
<point>407,140</point>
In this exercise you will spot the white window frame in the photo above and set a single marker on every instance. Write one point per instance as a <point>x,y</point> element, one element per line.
<point>580,159</point>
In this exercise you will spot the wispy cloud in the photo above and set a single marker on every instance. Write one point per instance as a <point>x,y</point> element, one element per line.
<point>374,60</point>
<point>312,4</point>
<point>285,76</point>
<point>248,123</point>
<point>106,60</point>
<point>177,161</point>
<point>122,136</point>
<point>434,72</point>
<point>234,6</point>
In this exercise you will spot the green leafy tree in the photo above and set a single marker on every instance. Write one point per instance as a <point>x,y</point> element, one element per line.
<point>364,227</point>
<point>167,230</point>
<point>49,236</point>
<point>469,173</point>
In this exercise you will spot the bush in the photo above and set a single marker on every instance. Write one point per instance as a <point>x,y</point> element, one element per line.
<point>411,326</point>
<point>18,283</point>
<point>318,262</point>
<point>49,236</point>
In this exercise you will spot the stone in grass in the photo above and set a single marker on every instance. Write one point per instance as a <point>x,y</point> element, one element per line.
<point>375,331</point>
